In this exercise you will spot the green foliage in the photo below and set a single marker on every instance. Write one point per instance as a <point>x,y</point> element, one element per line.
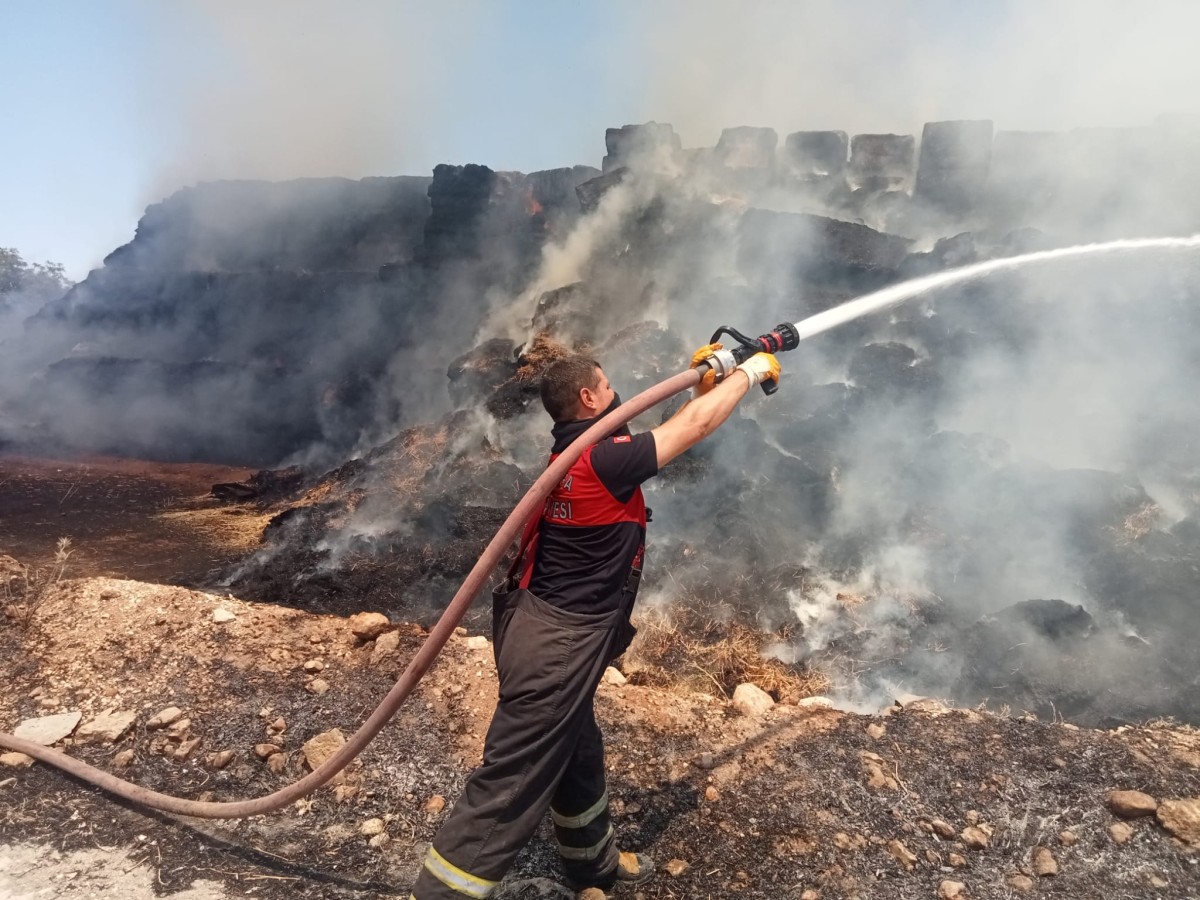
<point>42,281</point>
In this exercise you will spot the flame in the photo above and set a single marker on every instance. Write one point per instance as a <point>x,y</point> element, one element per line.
<point>531,203</point>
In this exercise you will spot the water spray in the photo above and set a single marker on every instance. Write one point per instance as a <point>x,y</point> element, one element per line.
<point>783,337</point>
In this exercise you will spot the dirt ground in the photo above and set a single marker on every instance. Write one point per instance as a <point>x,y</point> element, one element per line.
<point>798,802</point>
<point>125,518</point>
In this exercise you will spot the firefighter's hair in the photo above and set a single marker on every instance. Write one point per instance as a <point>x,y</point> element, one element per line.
<point>563,380</point>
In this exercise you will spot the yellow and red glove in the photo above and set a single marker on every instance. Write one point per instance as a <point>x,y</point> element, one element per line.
<point>708,380</point>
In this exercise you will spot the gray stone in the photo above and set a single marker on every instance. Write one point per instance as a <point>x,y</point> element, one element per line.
<point>614,677</point>
<point>385,647</point>
<point>106,727</point>
<point>751,700</point>
<point>47,730</point>
<point>167,716</point>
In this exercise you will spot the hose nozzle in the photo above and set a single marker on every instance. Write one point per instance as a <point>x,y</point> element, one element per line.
<point>782,337</point>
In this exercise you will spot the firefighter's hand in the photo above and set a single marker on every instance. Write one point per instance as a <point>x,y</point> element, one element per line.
<point>761,367</point>
<point>708,379</point>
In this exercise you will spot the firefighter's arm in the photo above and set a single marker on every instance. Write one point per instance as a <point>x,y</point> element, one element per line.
<point>702,416</point>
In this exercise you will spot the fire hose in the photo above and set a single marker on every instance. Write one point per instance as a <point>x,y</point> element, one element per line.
<point>784,337</point>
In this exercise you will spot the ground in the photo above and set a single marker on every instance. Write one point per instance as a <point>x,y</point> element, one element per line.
<point>799,801</point>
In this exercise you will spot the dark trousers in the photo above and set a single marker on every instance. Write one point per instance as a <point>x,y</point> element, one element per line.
<point>543,751</point>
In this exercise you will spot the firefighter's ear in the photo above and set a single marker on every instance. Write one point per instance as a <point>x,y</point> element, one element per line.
<point>589,402</point>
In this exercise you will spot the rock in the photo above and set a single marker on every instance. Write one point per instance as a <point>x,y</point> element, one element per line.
<point>180,727</point>
<point>220,759</point>
<point>1044,863</point>
<point>221,615</point>
<point>1120,832</point>
<point>184,750</point>
<point>476,642</point>
<point>1159,883</point>
<point>846,842</point>
<point>1067,838</point>
<point>711,794</point>
<point>810,894</point>
<point>371,827</point>
<point>815,703</point>
<point>317,686</point>
<point>435,804</point>
<point>613,676</point>
<point>277,762</point>
<point>943,829</point>
<point>705,761</point>
<point>278,726</point>
<point>47,730</point>
<point>1131,804</point>
<point>974,837</point>
<point>592,893</point>
<point>16,760</point>
<point>1182,819</point>
<point>105,728</point>
<point>676,867</point>
<point>367,626</point>
<point>318,749</point>
<point>165,717</point>
<point>903,855</point>
<point>380,840</point>
<point>957,860</point>
<point>875,731</point>
<point>314,665</point>
<point>1019,882</point>
<point>385,647</point>
<point>952,890</point>
<point>262,751</point>
<point>877,777</point>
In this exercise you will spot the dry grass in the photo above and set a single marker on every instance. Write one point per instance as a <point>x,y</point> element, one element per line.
<point>538,354</point>
<point>693,652</point>
<point>1139,523</point>
<point>26,590</point>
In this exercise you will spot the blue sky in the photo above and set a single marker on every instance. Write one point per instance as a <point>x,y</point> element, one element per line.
<point>110,105</point>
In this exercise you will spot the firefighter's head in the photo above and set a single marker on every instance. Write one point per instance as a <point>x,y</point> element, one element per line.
<point>575,387</point>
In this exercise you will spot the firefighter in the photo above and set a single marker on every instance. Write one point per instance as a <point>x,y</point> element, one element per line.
<point>560,620</point>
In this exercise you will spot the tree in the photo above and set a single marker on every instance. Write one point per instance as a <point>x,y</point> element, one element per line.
<point>37,281</point>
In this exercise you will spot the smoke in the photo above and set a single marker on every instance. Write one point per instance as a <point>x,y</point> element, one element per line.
<point>921,471</point>
<point>869,66</point>
<point>282,90</point>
